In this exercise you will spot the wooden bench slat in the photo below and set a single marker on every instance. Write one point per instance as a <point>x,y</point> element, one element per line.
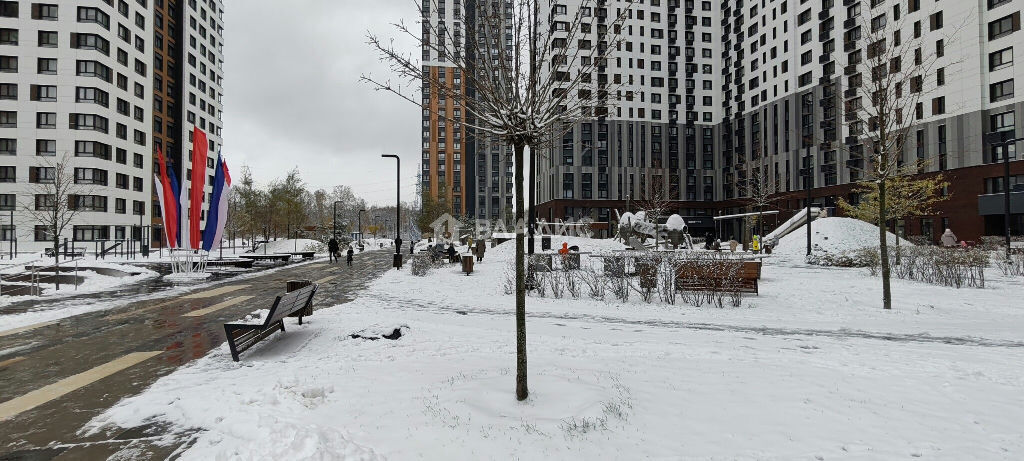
<point>242,336</point>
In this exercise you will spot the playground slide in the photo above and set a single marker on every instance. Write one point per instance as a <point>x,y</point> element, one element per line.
<point>793,224</point>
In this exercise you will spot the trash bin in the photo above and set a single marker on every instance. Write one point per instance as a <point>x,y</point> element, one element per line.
<point>571,261</point>
<point>614,266</point>
<point>145,251</point>
<point>545,242</point>
<point>293,285</point>
<point>397,263</point>
<point>648,272</point>
<point>467,264</point>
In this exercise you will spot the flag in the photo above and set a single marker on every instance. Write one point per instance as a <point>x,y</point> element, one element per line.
<point>217,215</point>
<point>175,200</point>
<point>168,202</point>
<point>199,154</point>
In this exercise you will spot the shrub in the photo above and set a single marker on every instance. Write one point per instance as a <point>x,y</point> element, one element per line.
<point>420,266</point>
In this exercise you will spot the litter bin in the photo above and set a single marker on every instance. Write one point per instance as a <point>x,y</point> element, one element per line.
<point>571,261</point>
<point>545,242</point>
<point>467,264</point>
<point>293,285</point>
<point>145,251</point>
<point>397,263</point>
<point>648,273</point>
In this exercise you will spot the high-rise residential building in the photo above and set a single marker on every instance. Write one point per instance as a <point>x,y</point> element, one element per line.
<point>75,89</point>
<point>98,87</point>
<point>188,39</point>
<point>471,171</point>
<point>712,94</point>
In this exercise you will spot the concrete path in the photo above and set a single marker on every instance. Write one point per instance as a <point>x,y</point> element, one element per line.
<point>58,375</point>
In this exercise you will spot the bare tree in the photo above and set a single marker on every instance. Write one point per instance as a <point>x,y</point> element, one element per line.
<point>760,190</point>
<point>502,56</point>
<point>54,201</point>
<point>887,87</point>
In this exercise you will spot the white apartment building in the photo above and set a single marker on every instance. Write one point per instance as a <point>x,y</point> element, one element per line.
<point>75,88</point>
<point>782,74</point>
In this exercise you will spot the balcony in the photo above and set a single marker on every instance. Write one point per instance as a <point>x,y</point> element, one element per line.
<point>849,23</point>
<point>823,15</point>
<point>849,46</point>
<point>851,140</point>
<point>850,93</point>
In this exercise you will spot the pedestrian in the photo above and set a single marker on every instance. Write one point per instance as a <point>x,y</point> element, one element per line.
<point>410,247</point>
<point>733,244</point>
<point>708,241</point>
<point>481,248</point>
<point>949,239</point>
<point>333,248</point>
<point>718,245</point>
<point>348,257</point>
<point>451,252</point>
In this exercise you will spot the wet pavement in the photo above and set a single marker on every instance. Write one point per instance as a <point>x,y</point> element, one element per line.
<point>56,377</point>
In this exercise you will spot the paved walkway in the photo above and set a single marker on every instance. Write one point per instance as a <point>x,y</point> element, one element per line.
<point>58,375</point>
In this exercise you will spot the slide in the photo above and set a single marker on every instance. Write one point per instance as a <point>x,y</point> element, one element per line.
<point>793,224</point>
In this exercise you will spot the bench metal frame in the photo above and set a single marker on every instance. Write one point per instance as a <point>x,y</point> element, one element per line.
<point>242,336</point>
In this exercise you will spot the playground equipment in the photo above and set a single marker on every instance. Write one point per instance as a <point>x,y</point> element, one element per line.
<point>791,225</point>
<point>635,229</point>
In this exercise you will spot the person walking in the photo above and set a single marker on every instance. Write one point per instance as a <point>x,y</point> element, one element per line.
<point>333,248</point>
<point>348,257</point>
<point>949,239</point>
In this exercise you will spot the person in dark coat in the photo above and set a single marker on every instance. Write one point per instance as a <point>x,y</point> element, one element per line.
<point>348,257</point>
<point>451,252</point>
<point>708,241</point>
<point>333,248</point>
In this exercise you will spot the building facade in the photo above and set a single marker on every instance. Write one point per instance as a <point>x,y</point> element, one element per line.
<point>714,94</point>
<point>470,171</point>
<point>93,89</point>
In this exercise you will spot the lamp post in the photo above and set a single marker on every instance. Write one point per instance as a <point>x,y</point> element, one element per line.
<point>808,173</point>
<point>1005,138</point>
<point>398,200</point>
<point>360,230</point>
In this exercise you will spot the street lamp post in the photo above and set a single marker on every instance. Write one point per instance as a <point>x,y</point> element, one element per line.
<point>808,171</point>
<point>1005,138</point>
<point>398,209</point>
<point>360,230</point>
<point>335,216</point>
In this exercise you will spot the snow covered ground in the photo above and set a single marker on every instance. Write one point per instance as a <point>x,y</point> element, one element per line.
<point>812,368</point>
<point>93,281</point>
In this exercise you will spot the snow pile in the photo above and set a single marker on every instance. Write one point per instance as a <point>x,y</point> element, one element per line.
<point>292,245</point>
<point>675,222</point>
<point>833,235</point>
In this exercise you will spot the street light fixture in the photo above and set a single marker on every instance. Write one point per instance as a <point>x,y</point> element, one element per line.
<point>398,208</point>
<point>1006,139</point>
<point>360,216</point>
<point>335,216</point>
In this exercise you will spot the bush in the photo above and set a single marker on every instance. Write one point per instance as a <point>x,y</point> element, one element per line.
<point>951,267</point>
<point>1014,266</point>
<point>421,265</point>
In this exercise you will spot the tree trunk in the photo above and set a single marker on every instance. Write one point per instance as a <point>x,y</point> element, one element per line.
<point>521,390</point>
<point>883,246</point>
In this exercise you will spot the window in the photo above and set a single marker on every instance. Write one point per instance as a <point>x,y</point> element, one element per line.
<point>93,69</point>
<point>46,120</point>
<point>8,174</point>
<point>8,36</point>
<point>940,76</point>
<point>90,42</point>
<point>45,202</point>
<point>8,202</point>
<point>88,203</point>
<point>1000,59</point>
<point>45,93</point>
<point>8,119</point>
<point>94,15</point>
<point>1002,121</point>
<point>48,39</point>
<point>9,91</point>
<point>1000,27</point>
<point>92,95</point>
<point>46,147</point>
<point>8,63</point>
<point>42,174</point>
<point>1001,90</point>
<point>92,233</point>
<point>89,122</point>
<point>45,12</point>
<point>43,233</point>
<point>8,9</point>
<point>939,105</point>
<point>8,146</point>
<point>47,66</point>
<point>995,3</point>
<point>92,149</point>
<point>935,21</point>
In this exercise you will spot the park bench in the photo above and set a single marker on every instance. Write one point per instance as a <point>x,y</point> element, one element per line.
<point>242,336</point>
<point>76,252</point>
<point>716,277</point>
<point>267,257</point>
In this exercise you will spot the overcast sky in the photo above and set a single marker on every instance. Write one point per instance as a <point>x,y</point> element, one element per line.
<point>292,96</point>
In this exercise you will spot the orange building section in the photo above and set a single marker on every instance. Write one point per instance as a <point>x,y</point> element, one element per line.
<point>445,149</point>
<point>165,121</point>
